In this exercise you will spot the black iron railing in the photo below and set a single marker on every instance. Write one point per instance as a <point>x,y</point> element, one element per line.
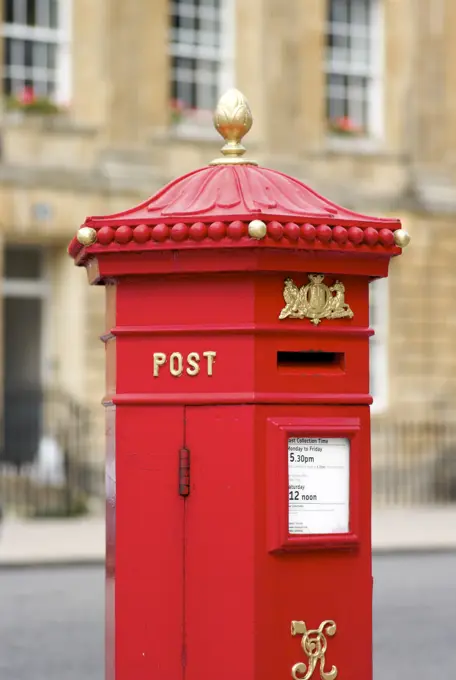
<point>413,463</point>
<point>48,466</point>
<point>47,462</point>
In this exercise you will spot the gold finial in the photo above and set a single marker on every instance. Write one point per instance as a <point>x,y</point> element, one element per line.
<point>232,120</point>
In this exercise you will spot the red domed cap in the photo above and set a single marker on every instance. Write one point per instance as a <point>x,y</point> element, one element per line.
<point>238,192</point>
<point>198,209</point>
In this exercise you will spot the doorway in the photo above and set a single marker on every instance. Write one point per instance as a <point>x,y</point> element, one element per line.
<point>26,294</point>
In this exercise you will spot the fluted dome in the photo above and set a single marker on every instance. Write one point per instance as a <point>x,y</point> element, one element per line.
<point>238,192</point>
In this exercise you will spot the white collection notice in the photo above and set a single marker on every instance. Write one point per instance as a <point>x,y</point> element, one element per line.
<point>318,485</point>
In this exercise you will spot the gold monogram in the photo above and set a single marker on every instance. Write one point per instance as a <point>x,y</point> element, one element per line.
<point>315,301</point>
<point>314,644</point>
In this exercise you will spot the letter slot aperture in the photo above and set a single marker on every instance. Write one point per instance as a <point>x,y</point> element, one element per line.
<point>314,362</point>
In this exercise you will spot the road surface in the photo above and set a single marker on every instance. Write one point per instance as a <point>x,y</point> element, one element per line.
<point>51,621</point>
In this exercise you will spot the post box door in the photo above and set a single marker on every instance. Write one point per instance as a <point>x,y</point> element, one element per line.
<point>219,542</point>
<point>234,579</point>
<point>145,557</point>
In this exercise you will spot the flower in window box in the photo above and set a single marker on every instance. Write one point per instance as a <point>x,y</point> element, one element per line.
<point>178,109</point>
<point>181,112</point>
<point>202,116</point>
<point>345,127</point>
<point>29,103</point>
<point>27,96</point>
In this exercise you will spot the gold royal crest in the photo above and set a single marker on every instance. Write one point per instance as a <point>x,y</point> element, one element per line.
<point>315,301</point>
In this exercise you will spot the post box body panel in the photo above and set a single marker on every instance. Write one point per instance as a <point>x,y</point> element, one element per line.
<point>220,569</point>
<point>191,575</point>
<point>145,562</point>
<point>236,317</point>
<point>236,585</point>
<point>196,578</point>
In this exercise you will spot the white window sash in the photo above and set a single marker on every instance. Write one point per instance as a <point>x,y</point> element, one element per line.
<point>372,71</point>
<point>222,57</point>
<point>227,68</point>
<point>339,68</point>
<point>189,51</point>
<point>376,118</point>
<point>33,33</point>
<point>26,288</point>
<point>63,59</point>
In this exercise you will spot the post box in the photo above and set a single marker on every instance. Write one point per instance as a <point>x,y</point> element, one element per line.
<point>237,418</point>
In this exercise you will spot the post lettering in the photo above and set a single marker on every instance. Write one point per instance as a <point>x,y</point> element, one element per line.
<point>159,360</point>
<point>193,367</point>
<point>176,364</point>
<point>210,360</point>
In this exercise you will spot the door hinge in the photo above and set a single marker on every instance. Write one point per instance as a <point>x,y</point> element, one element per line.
<point>184,472</point>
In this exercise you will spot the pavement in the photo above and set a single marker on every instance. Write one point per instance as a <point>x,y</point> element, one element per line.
<point>52,541</point>
<point>414,529</point>
<point>82,541</point>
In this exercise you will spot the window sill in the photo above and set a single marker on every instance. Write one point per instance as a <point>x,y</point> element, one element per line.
<point>195,132</point>
<point>353,145</point>
<point>58,122</point>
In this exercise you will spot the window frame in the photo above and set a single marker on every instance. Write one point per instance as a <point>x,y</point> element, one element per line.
<point>59,36</point>
<point>374,72</point>
<point>196,119</point>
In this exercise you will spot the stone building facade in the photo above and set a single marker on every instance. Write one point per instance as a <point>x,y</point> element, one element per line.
<point>355,97</point>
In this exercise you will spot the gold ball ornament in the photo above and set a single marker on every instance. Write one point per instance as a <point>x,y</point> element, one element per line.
<point>86,236</point>
<point>257,229</point>
<point>401,238</point>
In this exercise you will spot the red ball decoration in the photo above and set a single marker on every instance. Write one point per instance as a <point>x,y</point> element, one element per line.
<point>324,233</point>
<point>141,233</point>
<point>340,234</point>
<point>179,232</point>
<point>105,235</point>
<point>308,232</point>
<point>275,230</point>
<point>236,230</point>
<point>216,231</point>
<point>160,232</point>
<point>198,231</point>
<point>370,236</point>
<point>356,235</point>
<point>123,234</point>
<point>385,236</point>
<point>291,231</point>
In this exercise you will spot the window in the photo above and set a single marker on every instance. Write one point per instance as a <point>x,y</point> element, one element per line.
<point>36,37</point>
<point>353,67</point>
<point>378,313</point>
<point>202,36</point>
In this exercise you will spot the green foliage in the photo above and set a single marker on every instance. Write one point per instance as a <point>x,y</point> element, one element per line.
<point>38,106</point>
<point>75,507</point>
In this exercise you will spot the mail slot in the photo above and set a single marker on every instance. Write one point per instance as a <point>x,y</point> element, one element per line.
<point>310,362</point>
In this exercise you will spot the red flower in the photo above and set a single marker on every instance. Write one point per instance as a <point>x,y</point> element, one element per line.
<point>27,95</point>
<point>346,124</point>
<point>177,105</point>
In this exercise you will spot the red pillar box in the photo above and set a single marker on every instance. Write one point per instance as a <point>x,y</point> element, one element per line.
<point>238,444</point>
